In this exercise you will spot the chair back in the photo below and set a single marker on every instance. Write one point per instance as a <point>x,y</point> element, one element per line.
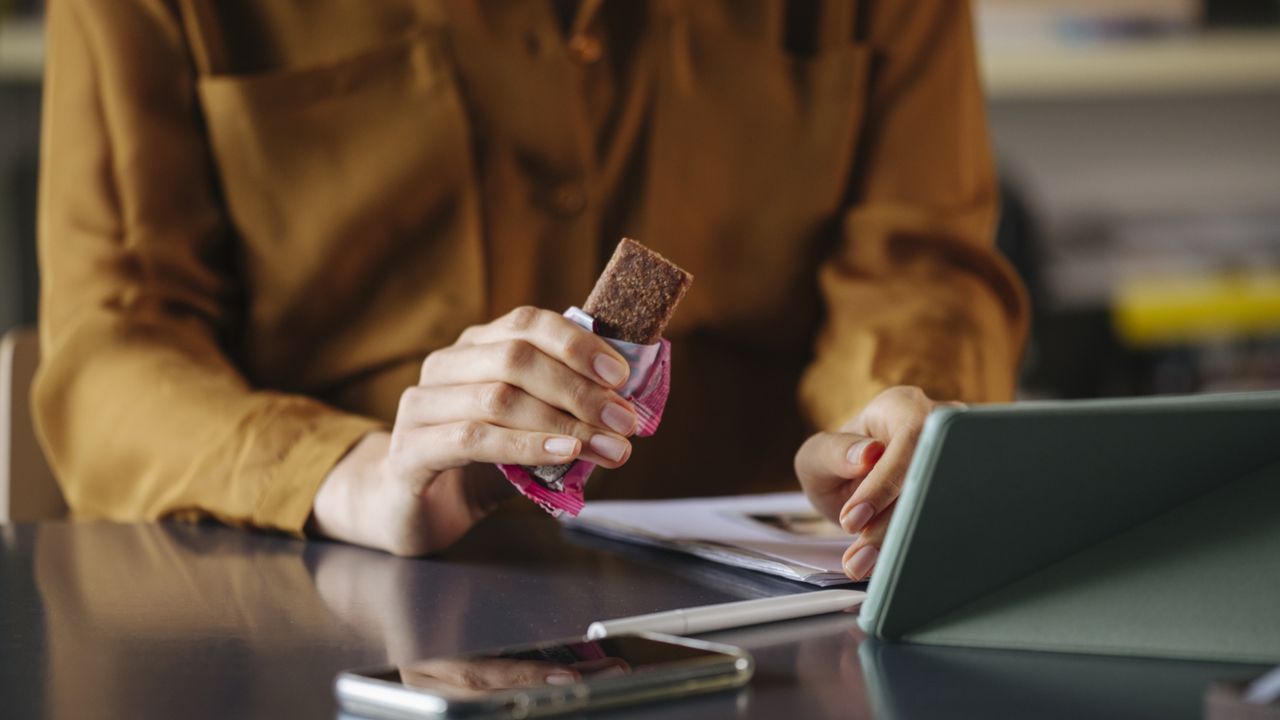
<point>28,490</point>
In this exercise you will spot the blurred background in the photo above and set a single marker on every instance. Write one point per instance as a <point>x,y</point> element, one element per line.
<point>1139,143</point>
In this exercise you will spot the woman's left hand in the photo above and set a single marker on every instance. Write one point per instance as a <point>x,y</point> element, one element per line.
<point>853,476</point>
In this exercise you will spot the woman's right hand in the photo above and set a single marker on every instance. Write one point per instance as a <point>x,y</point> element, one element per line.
<point>530,388</point>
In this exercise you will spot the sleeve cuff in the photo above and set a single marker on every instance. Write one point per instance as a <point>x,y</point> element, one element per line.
<point>286,501</point>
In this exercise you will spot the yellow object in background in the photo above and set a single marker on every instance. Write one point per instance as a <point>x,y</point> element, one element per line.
<point>1172,310</point>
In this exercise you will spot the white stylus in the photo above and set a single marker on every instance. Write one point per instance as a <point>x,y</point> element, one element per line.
<point>691,621</point>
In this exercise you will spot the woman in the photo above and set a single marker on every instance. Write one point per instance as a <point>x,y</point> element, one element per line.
<point>258,218</point>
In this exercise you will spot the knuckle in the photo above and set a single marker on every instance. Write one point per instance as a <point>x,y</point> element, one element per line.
<point>581,393</point>
<point>469,435</point>
<point>526,445</point>
<point>517,354</point>
<point>579,346</point>
<point>905,395</point>
<point>396,447</point>
<point>408,401</point>
<point>522,318</point>
<point>566,425</point>
<point>497,399</point>
<point>429,364</point>
<point>468,333</point>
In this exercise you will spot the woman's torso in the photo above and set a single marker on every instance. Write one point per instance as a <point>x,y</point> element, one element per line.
<point>397,171</point>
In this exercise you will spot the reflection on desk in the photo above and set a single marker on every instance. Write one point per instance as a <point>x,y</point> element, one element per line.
<point>171,620</point>
<point>175,620</point>
<point>906,681</point>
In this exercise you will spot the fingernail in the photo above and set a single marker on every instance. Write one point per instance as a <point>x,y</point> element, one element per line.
<point>609,446</point>
<point>561,678</point>
<point>865,453</point>
<point>619,419</point>
<point>859,566</point>
<point>857,518</point>
<point>609,369</point>
<point>561,446</point>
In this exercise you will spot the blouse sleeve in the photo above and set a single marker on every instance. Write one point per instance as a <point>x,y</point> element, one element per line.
<point>141,409</point>
<point>917,294</point>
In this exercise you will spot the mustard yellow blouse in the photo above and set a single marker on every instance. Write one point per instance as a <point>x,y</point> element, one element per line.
<point>257,217</point>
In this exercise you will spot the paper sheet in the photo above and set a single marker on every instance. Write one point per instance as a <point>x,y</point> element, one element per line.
<point>779,534</point>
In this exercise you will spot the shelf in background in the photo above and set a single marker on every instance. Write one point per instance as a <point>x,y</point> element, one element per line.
<point>21,49</point>
<point>1198,308</point>
<point>1209,63</point>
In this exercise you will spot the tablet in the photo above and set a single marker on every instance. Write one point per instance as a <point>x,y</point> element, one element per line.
<point>1146,527</point>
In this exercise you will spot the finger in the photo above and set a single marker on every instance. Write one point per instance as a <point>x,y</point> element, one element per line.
<point>492,674</point>
<point>854,515</point>
<point>510,407</point>
<point>525,673</point>
<point>557,336</point>
<point>519,363</point>
<point>827,465</point>
<point>419,453</point>
<point>529,674</point>
<point>599,666</point>
<point>862,555</point>
<point>883,484</point>
<point>828,457</point>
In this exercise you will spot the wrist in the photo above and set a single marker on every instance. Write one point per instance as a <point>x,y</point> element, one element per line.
<point>343,504</point>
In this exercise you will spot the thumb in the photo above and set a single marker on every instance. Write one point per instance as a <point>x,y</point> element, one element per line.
<point>828,461</point>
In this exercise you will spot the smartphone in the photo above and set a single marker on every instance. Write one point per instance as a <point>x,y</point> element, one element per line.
<point>545,679</point>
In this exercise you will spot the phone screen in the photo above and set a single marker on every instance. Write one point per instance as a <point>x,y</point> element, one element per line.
<point>553,664</point>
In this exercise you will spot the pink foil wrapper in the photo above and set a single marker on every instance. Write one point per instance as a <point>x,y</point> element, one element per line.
<point>647,388</point>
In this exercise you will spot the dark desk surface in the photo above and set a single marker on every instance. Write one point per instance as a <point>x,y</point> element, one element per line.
<point>171,620</point>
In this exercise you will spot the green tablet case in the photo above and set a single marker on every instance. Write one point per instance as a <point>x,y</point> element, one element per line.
<point>1143,527</point>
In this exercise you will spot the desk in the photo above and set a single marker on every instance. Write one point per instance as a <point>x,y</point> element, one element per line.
<point>171,620</point>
